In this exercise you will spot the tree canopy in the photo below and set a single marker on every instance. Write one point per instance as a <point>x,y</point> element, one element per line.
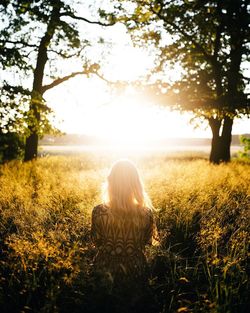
<point>35,37</point>
<point>209,40</point>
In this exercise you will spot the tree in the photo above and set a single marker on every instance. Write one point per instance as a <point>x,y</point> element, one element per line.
<point>36,34</point>
<point>245,141</point>
<point>210,40</point>
<point>11,146</point>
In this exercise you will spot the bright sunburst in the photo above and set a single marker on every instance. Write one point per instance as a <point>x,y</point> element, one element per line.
<point>85,105</point>
<point>127,120</point>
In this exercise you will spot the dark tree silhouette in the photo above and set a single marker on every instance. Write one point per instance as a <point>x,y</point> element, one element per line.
<point>210,40</point>
<point>34,34</point>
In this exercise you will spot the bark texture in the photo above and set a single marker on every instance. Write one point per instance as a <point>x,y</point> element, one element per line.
<point>221,139</point>
<point>31,147</point>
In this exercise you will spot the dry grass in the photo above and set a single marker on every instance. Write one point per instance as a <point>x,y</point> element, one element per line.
<point>202,210</point>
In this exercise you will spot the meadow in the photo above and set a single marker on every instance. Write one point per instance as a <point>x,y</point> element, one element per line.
<point>202,214</point>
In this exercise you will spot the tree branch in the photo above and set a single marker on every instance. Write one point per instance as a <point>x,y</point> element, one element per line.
<point>105,79</point>
<point>60,80</point>
<point>19,43</point>
<point>73,16</point>
<point>246,78</point>
<point>190,37</point>
<point>68,56</point>
<point>219,28</point>
<point>91,69</point>
<point>183,33</point>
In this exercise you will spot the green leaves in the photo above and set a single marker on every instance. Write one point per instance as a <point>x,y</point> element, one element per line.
<point>202,43</point>
<point>69,31</point>
<point>245,141</point>
<point>33,34</point>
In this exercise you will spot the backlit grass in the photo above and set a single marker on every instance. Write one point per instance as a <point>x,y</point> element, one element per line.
<point>202,213</point>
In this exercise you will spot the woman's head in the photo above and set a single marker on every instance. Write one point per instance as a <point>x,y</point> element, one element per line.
<point>125,191</point>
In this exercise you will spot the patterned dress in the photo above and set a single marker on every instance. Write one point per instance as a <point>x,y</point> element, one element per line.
<point>121,246</point>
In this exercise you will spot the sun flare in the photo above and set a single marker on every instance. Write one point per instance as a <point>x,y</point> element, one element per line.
<point>127,63</point>
<point>86,105</point>
<point>126,122</point>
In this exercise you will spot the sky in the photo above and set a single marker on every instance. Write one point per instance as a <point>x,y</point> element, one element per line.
<point>86,106</point>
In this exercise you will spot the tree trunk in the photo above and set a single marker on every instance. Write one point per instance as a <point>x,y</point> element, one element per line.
<point>215,153</point>
<point>220,146</point>
<point>31,146</point>
<point>226,138</point>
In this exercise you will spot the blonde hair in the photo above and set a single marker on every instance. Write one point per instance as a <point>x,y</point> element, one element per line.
<point>124,191</point>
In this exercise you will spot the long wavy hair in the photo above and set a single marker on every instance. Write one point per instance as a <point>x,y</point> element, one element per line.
<point>124,192</point>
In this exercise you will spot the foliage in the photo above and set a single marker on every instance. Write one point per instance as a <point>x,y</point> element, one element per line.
<point>38,40</point>
<point>199,36</point>
<point>11,146</point>
<point>245,141</point>
<point>207,45</point>
<point>202,216</point>
<point>14,104</point>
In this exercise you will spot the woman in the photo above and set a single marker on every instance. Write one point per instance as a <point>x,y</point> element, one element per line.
<point>121,227</point>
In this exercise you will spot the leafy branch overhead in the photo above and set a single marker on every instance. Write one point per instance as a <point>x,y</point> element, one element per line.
<point>87,70</point>
<point>207,41</point>
<point>35,37</point>
<point>22,33</point>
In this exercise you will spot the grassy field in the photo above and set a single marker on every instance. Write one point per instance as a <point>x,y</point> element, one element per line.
<point>202,212</point>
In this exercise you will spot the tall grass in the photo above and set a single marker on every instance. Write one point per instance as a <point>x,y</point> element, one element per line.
<point>202,213</point>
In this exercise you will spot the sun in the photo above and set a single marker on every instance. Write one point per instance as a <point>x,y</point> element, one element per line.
<point>128,63</point>
<point>129,121</point>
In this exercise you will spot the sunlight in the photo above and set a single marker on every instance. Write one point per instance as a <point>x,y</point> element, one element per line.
<point>129,121</point>
<point>128,63</point>
<point>126,122</point>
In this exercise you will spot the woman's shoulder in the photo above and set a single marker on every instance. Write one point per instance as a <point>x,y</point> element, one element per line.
<point>100,209</point>
<point>148,214</point>
<point>147,211</point>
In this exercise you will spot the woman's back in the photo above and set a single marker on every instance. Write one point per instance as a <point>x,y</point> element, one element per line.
<point>120,230</point>
<point>121,241</point>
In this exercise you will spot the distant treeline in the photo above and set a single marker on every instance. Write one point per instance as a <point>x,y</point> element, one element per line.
<point>77,139</point>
